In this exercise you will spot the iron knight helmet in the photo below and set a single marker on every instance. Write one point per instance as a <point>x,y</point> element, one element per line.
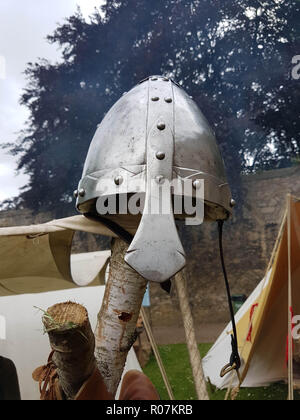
<point>155,132</point>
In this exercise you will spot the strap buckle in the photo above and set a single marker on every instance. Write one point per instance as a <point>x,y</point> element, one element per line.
<point>228,368</point>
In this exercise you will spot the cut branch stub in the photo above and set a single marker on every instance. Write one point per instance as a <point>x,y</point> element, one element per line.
<point>73,342</point>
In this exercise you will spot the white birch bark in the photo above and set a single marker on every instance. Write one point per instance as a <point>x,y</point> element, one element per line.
<point>115,330</point>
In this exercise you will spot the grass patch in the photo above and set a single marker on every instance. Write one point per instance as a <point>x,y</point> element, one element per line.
<point>176,361</point>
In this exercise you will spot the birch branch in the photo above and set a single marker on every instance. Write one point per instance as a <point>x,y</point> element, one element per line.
<point>116,328</point>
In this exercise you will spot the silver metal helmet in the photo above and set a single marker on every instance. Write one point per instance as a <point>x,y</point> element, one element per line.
<point>155,134</point>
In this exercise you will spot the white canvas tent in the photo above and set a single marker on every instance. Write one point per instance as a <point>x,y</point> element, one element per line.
<point>38,270</point>
<point>38,258</point>
<point>263,322</point>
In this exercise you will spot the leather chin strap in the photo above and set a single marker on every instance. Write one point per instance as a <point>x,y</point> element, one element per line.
<point>112,226</point>
<point>126,237</point>
<point>235,361</point>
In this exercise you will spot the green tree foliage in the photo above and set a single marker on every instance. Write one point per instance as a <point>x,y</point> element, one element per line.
<point>234,57</point>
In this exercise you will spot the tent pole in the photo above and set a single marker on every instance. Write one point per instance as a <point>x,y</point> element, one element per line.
<point>188,322</point>
<point>290,303</point>
<point>277,242</point>
<point>156,354</point>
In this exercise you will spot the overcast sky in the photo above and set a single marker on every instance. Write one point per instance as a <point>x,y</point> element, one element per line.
<point>24,25</point>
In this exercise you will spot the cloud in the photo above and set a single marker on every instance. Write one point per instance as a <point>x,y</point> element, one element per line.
<point>88,6</point>
<point>24,26</point>
<point>10,183</point>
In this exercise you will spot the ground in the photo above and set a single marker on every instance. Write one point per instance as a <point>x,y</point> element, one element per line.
<point>181,378</point>
<point>205,333</point>
<point>172,347</point>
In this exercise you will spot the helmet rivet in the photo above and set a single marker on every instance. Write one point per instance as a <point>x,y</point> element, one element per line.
<point>166,79</point>
<point>160,155</point>
<point>75,193</point>
<point>118,180</point>
<point>168,100</point>
<point>161,126</point>
<point>159,179</point>
<point>232,202</point>
<point>153,78</point>
<point>81,192</point>
<point>155,99</point>
<point>197,184</point>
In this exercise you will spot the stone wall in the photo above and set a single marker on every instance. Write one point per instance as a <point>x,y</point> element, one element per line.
<point>249,238</point>
<point>248,242</point>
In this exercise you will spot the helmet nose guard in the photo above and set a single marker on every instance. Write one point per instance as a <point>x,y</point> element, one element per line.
<point>153,134</point>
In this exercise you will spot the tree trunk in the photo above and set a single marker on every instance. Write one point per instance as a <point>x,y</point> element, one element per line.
<point>115,332</point>
<point>72,340</point>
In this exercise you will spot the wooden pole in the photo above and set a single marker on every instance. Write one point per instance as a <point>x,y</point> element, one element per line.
<point>156,354</point>
<point>116,327</point>
<point>195,359</point>
<point>72,340</point>
<point>290,303</point>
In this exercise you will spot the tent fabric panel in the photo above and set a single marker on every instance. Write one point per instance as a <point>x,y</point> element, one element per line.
<point>92,225</point>
<point>26,256</point>
<point>31,255</point>
<point>248,321</point>
<point>38,230</point>
<point>278,279</point>
<point>268,360</point>
<point>61,247</point>
<point>76,223</point>
<point>89,269</point>
<point>30,285</point>
<point>264,358</point>
<point>278,287</point>
<point>40,263</point>
<point>82,224</point>
<point>219,354</point>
